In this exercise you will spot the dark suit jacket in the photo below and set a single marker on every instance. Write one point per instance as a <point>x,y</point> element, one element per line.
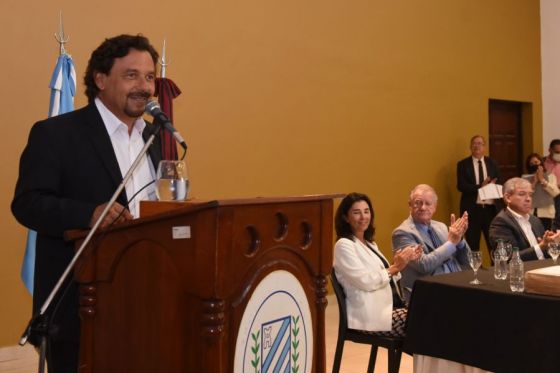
<point>67,169</point>
<point>505,227</point>
<point>466,180</point>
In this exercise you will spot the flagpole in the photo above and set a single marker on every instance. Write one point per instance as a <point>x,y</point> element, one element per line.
<point>63,89</point>
<point>60,36</point>
<point>163,61</point>
<point>166,91</point>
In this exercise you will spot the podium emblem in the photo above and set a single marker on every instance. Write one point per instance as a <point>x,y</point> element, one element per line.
<point>275,333</point>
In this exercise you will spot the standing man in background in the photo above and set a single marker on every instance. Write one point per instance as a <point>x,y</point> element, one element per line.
<point>552,166</point>
<point>473,173</point>
<point>70,168</point>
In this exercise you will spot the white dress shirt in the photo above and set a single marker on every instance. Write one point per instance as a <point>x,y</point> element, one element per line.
<point>127,147</point>
<point>528,230</point>
<point>480,180</point>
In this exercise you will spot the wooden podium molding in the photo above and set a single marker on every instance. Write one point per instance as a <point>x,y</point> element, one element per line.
<point>167,292</point>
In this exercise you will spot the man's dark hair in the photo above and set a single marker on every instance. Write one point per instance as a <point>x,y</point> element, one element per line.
<point>103,58</point>
<point>553,143</point>
<point>342,227</point>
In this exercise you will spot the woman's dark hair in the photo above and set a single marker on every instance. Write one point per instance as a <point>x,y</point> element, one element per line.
<point>528,160</point>
<point>103,57</point>
<point>341,225</point>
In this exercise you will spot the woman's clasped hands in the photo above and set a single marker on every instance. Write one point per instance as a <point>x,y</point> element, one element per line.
<point>402,257</point>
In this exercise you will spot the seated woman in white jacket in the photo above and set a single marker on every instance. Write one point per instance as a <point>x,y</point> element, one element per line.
<point>373,302</point>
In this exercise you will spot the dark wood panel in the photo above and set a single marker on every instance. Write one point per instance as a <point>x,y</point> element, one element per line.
<point>151,303</point>
<point>505,140</point>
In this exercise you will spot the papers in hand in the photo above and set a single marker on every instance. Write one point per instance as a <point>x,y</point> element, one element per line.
<point>490,191</point>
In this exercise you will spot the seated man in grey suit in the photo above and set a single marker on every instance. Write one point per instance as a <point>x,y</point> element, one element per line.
<point>515,223</point>
<point>444,250</point>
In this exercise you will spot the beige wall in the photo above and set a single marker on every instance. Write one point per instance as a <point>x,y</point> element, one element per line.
<point>289,97</point>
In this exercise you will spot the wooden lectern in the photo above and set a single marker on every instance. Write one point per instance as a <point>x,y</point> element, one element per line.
<point>168,292</point>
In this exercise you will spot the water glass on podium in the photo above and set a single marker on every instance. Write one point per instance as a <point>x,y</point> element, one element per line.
<point>172,183</point>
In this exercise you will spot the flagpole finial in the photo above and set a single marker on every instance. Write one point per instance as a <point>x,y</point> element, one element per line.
<point>163,61</point>
<point>60,37</point>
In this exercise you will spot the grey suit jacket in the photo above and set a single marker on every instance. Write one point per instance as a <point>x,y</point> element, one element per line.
<point>505,227</point>
<point>431,262</point>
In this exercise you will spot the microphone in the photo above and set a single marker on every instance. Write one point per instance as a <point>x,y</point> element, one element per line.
<point>153,109</point>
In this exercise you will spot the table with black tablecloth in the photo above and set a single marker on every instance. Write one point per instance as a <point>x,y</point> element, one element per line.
<point>485,326</point>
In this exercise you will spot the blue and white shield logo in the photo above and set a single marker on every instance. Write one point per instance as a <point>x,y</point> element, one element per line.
<point>275,333</point>
<point>276,343</point>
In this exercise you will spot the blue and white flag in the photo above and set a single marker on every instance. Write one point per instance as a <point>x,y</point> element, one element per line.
<point>63,86</point>
<point>63,90</point>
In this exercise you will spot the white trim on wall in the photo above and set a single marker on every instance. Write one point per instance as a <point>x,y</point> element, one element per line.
<point>550,57</point>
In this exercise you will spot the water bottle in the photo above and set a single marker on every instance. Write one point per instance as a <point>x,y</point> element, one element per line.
<point>516,273</point>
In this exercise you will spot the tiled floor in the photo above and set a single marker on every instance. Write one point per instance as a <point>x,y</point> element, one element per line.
<point>354,359</point>
<point>15,359</point>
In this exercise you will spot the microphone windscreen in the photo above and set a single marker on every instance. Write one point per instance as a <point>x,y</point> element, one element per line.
<point>152,108</point>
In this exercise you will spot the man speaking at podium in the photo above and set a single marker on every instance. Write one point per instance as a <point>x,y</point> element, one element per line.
<point>70,168</point>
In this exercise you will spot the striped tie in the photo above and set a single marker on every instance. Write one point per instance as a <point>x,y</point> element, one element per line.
<point>450,263</point>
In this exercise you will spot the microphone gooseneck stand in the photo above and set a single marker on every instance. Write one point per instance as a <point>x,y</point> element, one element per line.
<point>39,322</point>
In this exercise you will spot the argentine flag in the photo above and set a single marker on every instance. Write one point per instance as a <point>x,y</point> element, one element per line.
<point>63,90</point>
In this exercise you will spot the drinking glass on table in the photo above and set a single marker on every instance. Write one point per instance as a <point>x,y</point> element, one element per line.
<point>172,183</point>
<point>508,249</point>
<point>500,264</point>
<point>554,251</point>
<point>475,260</point>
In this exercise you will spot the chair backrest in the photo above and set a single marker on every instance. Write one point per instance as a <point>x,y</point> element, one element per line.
<point>341,299</point>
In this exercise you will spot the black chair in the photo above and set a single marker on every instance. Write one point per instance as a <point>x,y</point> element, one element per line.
<point>392,344</point>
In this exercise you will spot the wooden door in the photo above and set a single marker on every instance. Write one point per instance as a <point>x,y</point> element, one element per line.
<point>506,137</point>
